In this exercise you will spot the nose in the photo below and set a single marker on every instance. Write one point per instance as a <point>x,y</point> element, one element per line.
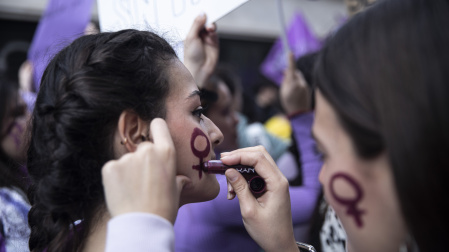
<point>215,134</point>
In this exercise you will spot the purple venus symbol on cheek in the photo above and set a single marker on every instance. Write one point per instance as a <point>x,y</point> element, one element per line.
<point>350,203</point>
<point>199,153</point>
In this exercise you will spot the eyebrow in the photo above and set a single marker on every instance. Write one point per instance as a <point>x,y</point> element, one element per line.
<point>194,93</point>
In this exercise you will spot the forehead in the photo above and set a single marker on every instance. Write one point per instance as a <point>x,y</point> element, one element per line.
<point>181,82</point>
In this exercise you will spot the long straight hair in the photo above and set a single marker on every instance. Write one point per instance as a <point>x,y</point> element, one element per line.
<point>386,73</point>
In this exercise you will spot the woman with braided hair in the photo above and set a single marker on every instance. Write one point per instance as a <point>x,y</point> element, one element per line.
<point>100,100</point>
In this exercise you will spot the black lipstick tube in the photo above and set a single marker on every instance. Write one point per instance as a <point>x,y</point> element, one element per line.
<point>256,183</point>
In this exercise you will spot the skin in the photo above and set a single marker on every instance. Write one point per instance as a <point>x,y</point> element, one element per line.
<point>223,114</point>
<point>14,129</point>
<point>377,224</point>
<point>183,116</point>
<point>201,49</point>
<point>154,180</point>
<point>294,93</point>
<point>181,121</point>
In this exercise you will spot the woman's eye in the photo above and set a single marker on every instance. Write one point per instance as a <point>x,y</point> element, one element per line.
<point>319,153</point>
<point>198,112</point>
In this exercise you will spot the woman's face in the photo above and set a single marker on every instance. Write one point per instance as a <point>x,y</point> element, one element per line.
<point>360,191</point>
<point>223,114</point>
<point>194,135</point>
<point>14,128</point>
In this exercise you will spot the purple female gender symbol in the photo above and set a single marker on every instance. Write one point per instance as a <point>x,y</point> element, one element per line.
<point>351,203</point>
<point>200,154</point>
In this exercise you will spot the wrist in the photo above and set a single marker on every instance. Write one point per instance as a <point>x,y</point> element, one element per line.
<point>286,247</point>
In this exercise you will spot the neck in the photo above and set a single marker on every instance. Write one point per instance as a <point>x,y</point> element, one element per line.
<point>96,239</point>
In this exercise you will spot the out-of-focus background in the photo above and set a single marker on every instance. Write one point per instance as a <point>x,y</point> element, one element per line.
<point>246,34</point>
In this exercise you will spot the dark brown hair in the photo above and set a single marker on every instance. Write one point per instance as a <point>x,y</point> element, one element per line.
<point>84,90</point>
<point>386,74</point>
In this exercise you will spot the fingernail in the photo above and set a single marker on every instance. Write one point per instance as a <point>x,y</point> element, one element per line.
<point>232,175</point>
<point>224,153</point>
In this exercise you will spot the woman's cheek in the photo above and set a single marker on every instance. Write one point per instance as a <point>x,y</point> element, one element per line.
<point>200,146</point>
<point>345,194</point>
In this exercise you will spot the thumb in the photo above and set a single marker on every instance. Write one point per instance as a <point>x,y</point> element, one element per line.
<point>240,187</point>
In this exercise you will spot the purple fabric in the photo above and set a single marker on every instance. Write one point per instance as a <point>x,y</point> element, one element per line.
<point>2,243</point>
<point>62,22</point>
<point>301,41</point>
<point>217,225</point>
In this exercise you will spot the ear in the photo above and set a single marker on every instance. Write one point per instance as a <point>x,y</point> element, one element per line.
<point>132,130</point>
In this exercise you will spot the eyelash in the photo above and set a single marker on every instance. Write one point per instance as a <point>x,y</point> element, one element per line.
<point>319,153</point>
<point>198,112</point>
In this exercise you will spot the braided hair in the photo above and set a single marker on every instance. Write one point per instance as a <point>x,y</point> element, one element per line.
<point>84,90</point>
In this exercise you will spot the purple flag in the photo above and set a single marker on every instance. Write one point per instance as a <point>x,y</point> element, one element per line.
<point>301,41</point>
<point>62,22</point>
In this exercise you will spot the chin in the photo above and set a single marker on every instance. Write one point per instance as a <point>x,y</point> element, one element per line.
<point>205,190</point>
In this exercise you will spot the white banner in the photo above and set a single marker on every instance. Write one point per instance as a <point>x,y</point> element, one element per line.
<point>173,16</point>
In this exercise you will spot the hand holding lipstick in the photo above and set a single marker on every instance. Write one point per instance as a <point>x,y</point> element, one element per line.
<point>268,218</point>
<point>145,180</point>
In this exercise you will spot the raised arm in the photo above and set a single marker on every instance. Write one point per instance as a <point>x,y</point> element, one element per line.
<point>201,50</point>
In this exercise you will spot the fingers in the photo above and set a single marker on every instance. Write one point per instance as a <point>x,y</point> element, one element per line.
<point>160,134</point>
<point>231,193</point>
<point>211,27</point>
<point>197,26</point>
<point>291,62</point>
<point>240,187</point>
<point>259,159</point>
<point>301,81</point>
<point>258,148</point>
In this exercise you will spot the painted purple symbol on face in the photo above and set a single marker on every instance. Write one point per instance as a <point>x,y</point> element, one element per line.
<point>351,203</point>
<point>199,153</point>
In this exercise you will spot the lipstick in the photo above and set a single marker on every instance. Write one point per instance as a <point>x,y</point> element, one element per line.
<point>256,183</point>
<point>217,167</point>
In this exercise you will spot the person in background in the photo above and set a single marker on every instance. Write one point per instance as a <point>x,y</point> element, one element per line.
<point>382,126</point>
<point>14,207</point>
<point>76,129</point>
<point>219,221</point>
